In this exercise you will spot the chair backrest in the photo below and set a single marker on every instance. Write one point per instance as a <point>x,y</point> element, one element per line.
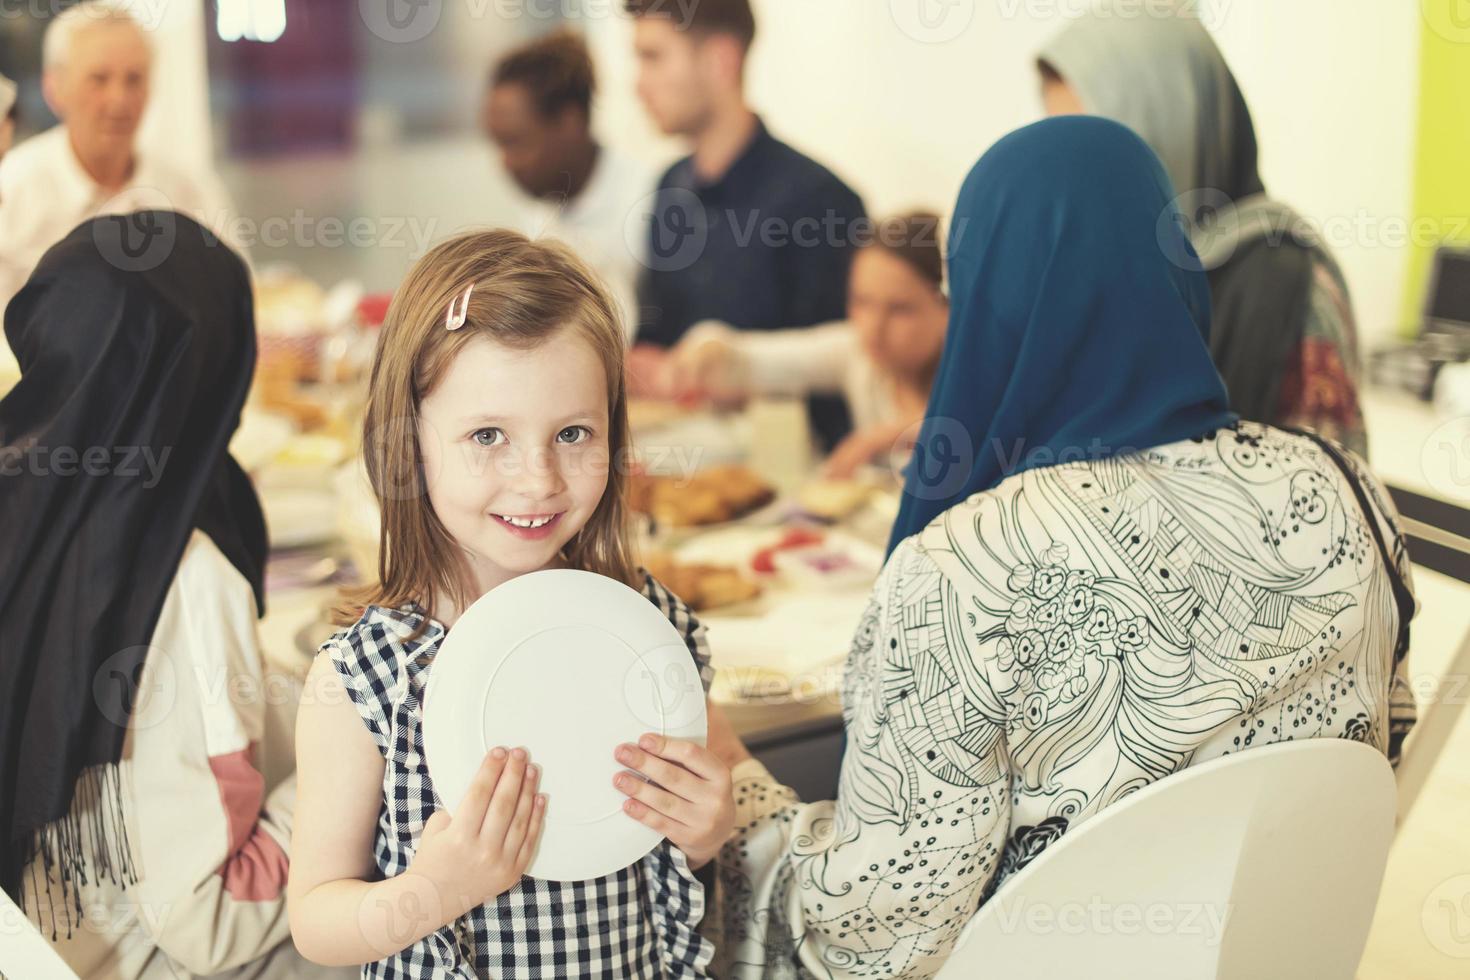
<point>24,952</point>
<point>1265,863</point>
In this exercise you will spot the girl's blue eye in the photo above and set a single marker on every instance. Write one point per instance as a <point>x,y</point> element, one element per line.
<point>573,434</point>
<point>488,437</point>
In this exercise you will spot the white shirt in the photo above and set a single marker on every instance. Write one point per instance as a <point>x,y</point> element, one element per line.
<point>45,193</point>
<point>208,839</point>
<point>600,225</point>
<point>825,359</point>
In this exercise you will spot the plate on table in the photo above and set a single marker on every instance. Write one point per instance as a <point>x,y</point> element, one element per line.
<point>568,665</point>
<point>260,436</point>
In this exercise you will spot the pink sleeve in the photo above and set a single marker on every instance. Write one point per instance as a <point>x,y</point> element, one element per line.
<point>255,870</point>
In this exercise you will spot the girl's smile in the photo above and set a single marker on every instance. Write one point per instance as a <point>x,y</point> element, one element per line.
<point>532,528</point>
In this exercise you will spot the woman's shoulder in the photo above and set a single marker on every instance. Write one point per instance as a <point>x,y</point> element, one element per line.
<point>206,581</point>
<point>203,564</point>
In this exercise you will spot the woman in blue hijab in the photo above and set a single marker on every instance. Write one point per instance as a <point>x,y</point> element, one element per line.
<point>1075,339</point>
<point>1100,577</point>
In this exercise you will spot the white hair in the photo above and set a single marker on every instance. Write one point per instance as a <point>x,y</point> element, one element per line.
<point>64,27</point>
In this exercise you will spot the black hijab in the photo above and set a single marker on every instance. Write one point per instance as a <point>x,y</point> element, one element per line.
<point>1165,78</point>
<point>136,341</point>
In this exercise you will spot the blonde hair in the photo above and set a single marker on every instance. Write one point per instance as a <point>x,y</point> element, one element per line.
<point>525,293</point>
<point>56,44</point>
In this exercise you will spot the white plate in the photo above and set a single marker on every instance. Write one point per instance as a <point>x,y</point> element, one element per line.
<point>568,665</point>
<point>260,436</point>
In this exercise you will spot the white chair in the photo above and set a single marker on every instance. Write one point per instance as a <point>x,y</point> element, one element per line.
<point>1261,865</point>
<point>24,952</point>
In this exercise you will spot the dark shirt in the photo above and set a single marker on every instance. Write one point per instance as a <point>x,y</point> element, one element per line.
<point>767,246</point>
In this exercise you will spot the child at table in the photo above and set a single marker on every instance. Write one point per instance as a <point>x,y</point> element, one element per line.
<point>495,416</point>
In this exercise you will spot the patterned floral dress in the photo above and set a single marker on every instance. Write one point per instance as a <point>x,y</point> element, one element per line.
<point>1043,650</point>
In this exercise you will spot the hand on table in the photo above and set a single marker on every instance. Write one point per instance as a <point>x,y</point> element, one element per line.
<point>707,367</point>
<point>861,448</point>
<point>689,800</point>
<point>647,372</point>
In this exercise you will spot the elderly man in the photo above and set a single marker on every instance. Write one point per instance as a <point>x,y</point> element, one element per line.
<point>95,71</point>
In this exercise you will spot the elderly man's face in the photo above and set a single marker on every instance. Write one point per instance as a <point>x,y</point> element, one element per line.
<point>101,89</point>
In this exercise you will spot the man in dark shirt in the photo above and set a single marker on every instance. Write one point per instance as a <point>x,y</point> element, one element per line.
<point>745,230</point>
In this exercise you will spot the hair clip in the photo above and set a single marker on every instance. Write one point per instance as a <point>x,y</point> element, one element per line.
<point>459,310</point>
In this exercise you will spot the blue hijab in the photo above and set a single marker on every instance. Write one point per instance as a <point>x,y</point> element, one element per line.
<point>1079,318</point>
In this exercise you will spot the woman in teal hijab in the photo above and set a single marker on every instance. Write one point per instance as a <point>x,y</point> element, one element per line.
<point>1102,578</point>
<point>1070,337</point>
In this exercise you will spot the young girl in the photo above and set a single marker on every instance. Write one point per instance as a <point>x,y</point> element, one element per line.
<point>496,408</point>
<point>882,357</point>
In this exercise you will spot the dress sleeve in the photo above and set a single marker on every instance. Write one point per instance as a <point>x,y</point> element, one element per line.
<point>210,845</point>
<point>881,881</point>
<point>367,679</point>
<point>1403,711</point>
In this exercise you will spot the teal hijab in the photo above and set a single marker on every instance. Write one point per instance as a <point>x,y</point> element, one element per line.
<point>1079,317</point>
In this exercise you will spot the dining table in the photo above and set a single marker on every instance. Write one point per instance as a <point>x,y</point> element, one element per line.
<point>778,658</point>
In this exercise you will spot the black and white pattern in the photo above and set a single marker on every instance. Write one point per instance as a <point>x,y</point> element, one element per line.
<point>1043,650</point>
<point>638,923</point>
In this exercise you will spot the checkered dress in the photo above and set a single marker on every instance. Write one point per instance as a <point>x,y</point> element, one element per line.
<point>637,922</point>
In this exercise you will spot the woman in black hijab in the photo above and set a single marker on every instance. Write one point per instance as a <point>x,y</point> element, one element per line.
<point>132,552</point>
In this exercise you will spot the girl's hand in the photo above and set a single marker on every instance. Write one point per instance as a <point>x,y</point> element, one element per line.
<point>691,804</point>
<point>485,848</point>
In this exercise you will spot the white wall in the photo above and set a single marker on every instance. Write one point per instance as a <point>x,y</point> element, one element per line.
<point>902,110</point>
<point>175,126</point>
